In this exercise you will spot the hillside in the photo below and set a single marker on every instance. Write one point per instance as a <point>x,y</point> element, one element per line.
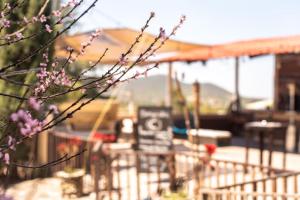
<point>152,90</point>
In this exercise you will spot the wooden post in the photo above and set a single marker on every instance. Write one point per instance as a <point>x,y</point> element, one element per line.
<point>291,132</point>
<point>172,171</point>
<point>182,102</point>
<point>138,169</point>
<point>169,85</point>
<point>237,92</point>
<point>276,82</point>
<point>196,91</point>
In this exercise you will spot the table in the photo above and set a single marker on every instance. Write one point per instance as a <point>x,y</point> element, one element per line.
<point>208,136</point>
<point>265,128</point>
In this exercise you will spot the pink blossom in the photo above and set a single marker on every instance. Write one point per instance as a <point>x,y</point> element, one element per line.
<point>43,64</point>
<point>14,117</point>
<point>42,73</point>
<point>11,143</point>
<point>27,125</point>
<point>43,18</point>
<point>137,74</point>
<point>19,35</point>
<point>53,108</point>
<point>109,81</point>
<point>162,33</point>
<point>70,49</point>
<point>83,91</point>
<point>56,13</point>
<point>34,19</point>
<point>97,33</point>
<point>73,3</point>
<point>54,64</point>
<point>48,28</point>
<point>34,104</point>
<point>45,55</point>
<point>5,23</point>
<point>123,60</point>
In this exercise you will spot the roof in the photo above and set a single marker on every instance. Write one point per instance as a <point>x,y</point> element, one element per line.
<point>117,40</point>
<point>256,47</point>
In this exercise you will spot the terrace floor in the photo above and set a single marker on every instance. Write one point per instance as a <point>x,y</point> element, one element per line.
<point>50,188</point>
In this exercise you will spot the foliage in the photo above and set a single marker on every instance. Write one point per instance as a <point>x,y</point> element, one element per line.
<point>14,51</point>
<point>180,195</point>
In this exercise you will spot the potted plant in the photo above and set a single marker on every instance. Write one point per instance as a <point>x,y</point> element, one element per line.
<point>72,177</point>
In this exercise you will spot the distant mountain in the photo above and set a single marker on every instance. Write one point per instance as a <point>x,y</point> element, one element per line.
<point>152,91</point>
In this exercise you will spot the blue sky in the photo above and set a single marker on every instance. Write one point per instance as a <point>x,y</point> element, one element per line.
<point>209,22</point>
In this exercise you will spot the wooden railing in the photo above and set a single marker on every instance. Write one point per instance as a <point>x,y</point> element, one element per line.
<point>218,194</point>
<point>138,175</point>
<point>82,161</point>
<point>129,174</point>
<point>283,185</point>
<point>221,173</point>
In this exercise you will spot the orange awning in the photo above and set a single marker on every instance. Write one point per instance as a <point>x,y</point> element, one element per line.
<point>117,40</point>
<point>256,47</point>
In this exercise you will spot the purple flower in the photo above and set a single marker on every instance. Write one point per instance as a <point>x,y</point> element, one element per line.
<point>27,125</point>
<point>25,131</point>
<point>14,117</point>
<point>34,104</point>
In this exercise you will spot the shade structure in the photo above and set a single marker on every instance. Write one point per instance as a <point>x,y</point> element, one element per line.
<point>255,47</point>
<point>117,40</point>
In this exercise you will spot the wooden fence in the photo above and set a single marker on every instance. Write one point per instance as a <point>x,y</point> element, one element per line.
<point>129,174</point>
